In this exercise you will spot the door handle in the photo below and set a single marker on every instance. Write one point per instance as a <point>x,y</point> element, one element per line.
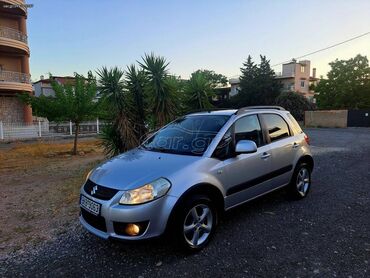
<point>265,155</point>
<point>295,145</point>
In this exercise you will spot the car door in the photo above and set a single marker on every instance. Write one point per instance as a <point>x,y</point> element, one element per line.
<point>282,147</point>
<point>244,176</point>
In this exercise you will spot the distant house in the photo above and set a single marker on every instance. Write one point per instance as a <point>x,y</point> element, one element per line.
<point>43,86</point>
<point>295,77</point>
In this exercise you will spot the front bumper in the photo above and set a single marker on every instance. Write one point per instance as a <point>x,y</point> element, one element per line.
<point>155,212</point>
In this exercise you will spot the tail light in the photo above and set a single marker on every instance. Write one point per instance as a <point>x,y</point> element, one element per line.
<point>307,139</point>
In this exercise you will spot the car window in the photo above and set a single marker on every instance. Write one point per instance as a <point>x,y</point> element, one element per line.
<point>297,129</point>
<point>225,147</point>
<point>248,128</point>
<point>190,135</point>
<point>276,126</point>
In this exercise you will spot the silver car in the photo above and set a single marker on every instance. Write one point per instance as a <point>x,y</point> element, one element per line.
<point>183,177</point>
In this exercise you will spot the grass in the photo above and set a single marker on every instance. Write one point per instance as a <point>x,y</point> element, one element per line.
<point>41,183</point>
<point>45,149</point>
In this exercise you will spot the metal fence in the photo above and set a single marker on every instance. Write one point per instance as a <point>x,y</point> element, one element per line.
<point>19,131</point>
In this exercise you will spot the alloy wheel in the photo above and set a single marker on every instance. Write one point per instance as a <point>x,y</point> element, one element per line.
<point>303,181</point>
<point>198,225</point>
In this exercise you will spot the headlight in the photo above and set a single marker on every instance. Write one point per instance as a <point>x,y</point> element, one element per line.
<point>146,193</point>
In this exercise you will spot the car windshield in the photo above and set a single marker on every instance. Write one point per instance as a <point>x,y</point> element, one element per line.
<point>189,135</point>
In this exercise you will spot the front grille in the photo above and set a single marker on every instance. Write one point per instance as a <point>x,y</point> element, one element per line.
<point>98,222</point>
<point>100,192</point>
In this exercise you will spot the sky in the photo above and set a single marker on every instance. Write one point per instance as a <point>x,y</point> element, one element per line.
<point>67,36</point>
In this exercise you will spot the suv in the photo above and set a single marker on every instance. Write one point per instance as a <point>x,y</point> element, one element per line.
<point>184,176</point>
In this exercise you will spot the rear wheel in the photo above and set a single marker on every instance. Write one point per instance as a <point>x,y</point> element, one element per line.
<point>301,181</point>
<point>195,222</point>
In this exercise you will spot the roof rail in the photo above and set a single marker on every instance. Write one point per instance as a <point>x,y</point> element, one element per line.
<point>207,110</point>
<point>241,110</point>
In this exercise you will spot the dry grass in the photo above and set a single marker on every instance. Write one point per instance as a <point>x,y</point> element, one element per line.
<point>40,185</point>
<point>48,149</point>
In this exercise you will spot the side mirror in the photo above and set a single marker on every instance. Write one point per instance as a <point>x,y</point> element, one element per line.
<point>245,146</point>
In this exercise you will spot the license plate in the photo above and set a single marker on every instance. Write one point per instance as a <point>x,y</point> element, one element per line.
<point>90,205</point>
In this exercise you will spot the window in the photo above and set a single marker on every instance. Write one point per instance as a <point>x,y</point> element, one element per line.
<point>297,129</point>
<point>302,69</point>
<point>248,128</point>
<point>276,126</point>
<point>302,83</point>
<point>225,147</point>
<point>190,135</point>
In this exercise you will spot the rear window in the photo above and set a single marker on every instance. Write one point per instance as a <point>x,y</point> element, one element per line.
<point>276,126</point>
<point>295,125</point>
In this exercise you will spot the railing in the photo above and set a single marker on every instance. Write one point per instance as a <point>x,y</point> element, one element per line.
<point>12,76</point>
<point>37,129</point>
<point>13,34</point>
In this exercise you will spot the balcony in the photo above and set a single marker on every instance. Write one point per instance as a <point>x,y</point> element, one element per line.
<point>15,81</point>
<point>13,40</point>
<point>13,34</point>
<point>16,7</point>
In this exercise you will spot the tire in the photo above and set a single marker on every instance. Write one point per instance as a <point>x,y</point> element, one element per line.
<point>194,223</point>
<point>300,183</point>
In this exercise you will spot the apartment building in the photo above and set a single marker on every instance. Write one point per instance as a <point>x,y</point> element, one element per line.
<point>14,62</point>
<point>43,86</point>
<point>295,77</point>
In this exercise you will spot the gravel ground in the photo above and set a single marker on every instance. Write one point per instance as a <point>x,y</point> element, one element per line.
<point>325,235</point>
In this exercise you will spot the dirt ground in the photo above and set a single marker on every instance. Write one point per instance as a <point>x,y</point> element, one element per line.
<point>39,189</point>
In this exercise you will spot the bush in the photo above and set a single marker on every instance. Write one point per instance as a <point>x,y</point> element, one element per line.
<point>295,103</point>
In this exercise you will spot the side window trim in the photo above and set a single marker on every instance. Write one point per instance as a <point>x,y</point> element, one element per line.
<point>265,134</point>
<point>266,131</point>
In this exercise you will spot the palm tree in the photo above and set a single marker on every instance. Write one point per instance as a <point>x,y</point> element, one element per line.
<point>135,85</point>
<point>198,91</point>
<point>112,90</point>
<point>161,93</point>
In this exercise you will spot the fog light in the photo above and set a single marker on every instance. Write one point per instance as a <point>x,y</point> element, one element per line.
<point>132,229</point>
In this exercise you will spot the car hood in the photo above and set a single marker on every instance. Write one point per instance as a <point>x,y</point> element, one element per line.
<point>138,167</point>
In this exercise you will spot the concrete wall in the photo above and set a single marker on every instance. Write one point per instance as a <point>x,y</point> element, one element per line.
<point>326,118</point>
<point>11,63</point>
<point>10,22</point>
<point>11,110</point>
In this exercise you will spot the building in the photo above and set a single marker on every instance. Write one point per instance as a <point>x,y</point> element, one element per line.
<point>14,62</point>
<point>43,86</point>
<point>295,77</point>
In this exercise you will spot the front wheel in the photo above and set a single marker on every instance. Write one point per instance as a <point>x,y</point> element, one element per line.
<point>301,181</point>
<point>195,223</point>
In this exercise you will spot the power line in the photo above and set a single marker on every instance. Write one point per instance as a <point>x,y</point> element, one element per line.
<point>325,48</point>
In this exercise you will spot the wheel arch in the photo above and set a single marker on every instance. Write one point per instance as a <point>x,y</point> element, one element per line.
<point>306,159</point>
<point>202,189</point>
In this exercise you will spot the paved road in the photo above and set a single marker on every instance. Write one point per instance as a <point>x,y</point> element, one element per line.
<point>325,235</point>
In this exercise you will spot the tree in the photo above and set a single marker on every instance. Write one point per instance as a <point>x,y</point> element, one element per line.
<point>215,79</point>
<point>295,103</point>
<point>347,85</point>
<point>75,102</point>
<point>258,85</point>
<point>121,133</point>
<point>135,84</point>
<point>159,88</point>
<point>199,90</point>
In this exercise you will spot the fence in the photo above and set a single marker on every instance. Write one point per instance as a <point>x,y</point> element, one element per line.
<point>18,131</point>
